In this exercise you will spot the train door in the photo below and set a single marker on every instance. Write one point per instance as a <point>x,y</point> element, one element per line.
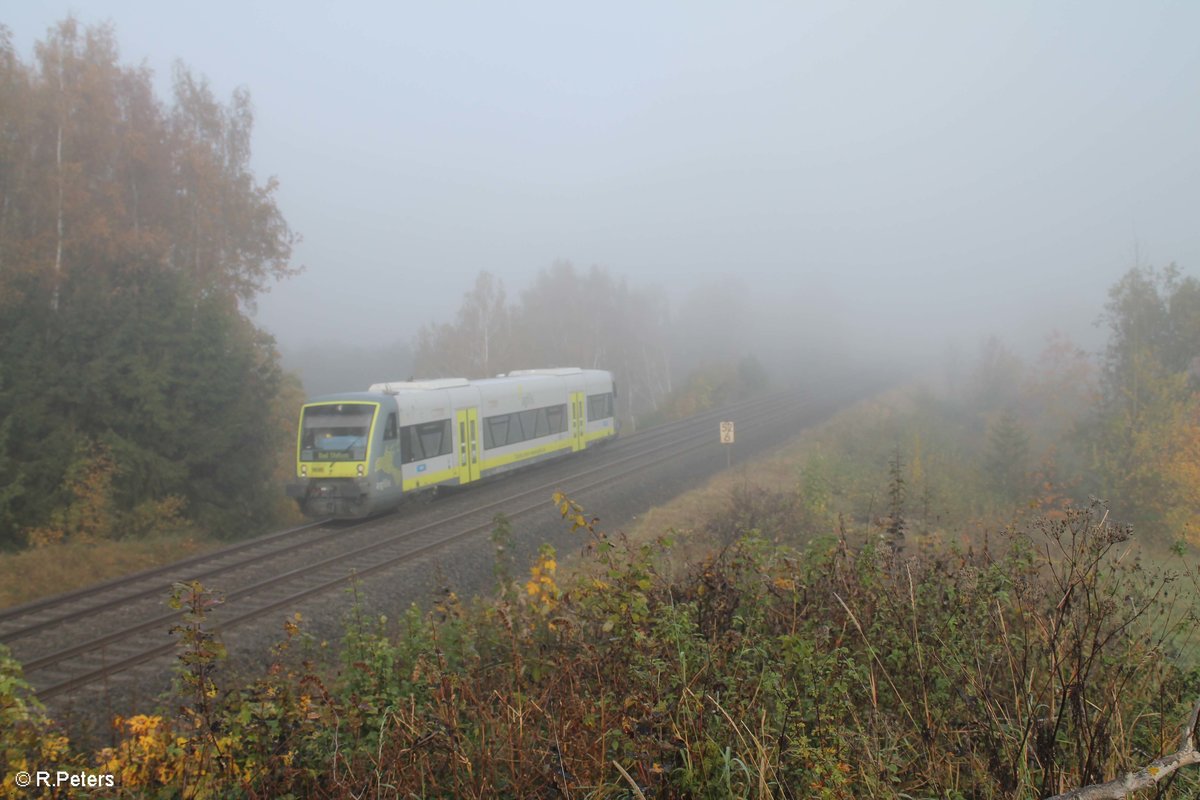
<point>578,420</point>
<point>468,444</point>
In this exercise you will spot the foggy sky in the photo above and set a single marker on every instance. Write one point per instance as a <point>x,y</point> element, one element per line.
<point>904,172</point>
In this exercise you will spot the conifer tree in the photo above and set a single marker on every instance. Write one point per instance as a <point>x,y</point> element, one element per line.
<point>1007,455</point>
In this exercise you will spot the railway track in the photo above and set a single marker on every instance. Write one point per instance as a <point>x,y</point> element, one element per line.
<point>29,618</point>
<point>85,637</point>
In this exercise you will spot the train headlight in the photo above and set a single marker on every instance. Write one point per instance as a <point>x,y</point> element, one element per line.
<point>304,470</point>
<point>361,470</point>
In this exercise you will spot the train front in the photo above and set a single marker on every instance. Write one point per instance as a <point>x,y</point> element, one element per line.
<point>333,451</point>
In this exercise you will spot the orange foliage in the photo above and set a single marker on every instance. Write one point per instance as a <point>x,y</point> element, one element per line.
<point>1052,498</point>
<point>89,514</point>
<point>1180,464</point>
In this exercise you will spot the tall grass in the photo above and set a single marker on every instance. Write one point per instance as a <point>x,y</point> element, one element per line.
<point>52,568</point>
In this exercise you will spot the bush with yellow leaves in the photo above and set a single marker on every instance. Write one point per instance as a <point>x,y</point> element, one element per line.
<point>29,741</point>
<point>541,587</point>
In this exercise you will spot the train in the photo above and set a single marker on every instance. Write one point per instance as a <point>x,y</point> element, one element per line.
<point>360,454</point>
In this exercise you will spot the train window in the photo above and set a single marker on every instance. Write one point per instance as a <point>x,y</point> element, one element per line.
<point>410,445</point>
<point>556,416</point>
<point>434,438</point>
<point>599,406</point>
<point>427,440</point>
<point>497,431</point>
<point>389,430</point>
<point>521,426</point>
<point>528,424</point>
<point>335,432</point>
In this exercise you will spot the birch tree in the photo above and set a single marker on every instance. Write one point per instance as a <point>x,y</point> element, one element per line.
<point>133,234</point>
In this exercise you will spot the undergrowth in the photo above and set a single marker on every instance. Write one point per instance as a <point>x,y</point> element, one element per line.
<point>38,572</point>
<point>1047,660</point>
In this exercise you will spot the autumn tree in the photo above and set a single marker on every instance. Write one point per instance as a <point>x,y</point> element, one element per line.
<point>1058,389</point>
<point>1180,465</point>
<point>477,343</point>
<point>132,236</point>
<point>1141,433</point>
<point>567,317</point>
<point>226,229</point>
<point>594,319</point>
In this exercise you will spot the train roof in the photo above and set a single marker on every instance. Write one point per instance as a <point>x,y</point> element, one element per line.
<point>394,387</point>
<point>378,391</point>
<point>348,397</point>
<point>535,374</point>
<point>516,373</point>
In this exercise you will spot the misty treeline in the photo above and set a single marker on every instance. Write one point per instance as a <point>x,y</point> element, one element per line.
<point>1123,427</point>
<point>593,319</point>
<point>135,394</point>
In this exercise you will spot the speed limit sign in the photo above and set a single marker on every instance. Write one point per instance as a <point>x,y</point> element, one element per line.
<point>727,433</point>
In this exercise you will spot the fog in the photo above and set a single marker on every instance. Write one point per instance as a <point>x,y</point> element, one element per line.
<point>882,176</point>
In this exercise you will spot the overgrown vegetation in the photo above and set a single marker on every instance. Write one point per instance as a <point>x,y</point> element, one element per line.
<point>136,396</point>
<point>1002,440</point>
<point>1047,659</point>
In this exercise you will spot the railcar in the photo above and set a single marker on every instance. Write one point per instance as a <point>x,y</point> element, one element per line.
<point>362,453</point>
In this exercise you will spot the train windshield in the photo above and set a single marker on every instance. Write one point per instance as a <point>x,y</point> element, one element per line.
<point>336,432</point>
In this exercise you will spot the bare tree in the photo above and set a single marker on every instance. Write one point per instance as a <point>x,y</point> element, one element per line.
<point>1149,775</point>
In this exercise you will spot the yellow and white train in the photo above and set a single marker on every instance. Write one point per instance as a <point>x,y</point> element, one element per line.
<point>360,453</point>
